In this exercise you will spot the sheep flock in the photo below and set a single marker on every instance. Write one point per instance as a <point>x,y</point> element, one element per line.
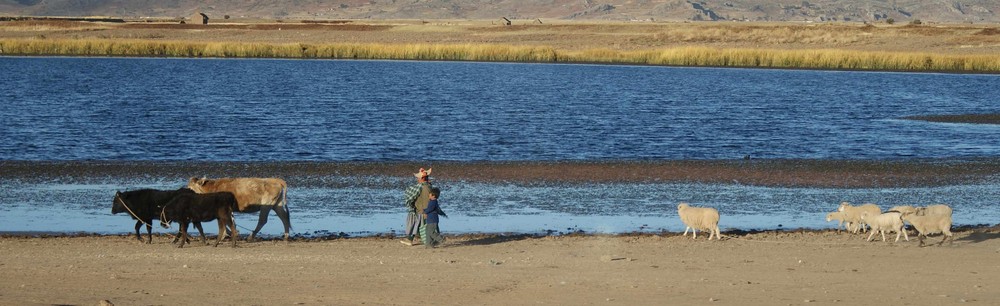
<point>866,218</point>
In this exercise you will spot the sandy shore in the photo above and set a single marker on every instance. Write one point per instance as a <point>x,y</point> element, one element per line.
<point>765,268</point>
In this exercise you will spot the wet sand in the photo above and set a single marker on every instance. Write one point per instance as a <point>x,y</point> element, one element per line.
<point>788,173</point>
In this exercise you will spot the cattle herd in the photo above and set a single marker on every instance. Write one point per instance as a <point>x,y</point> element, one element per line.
<point>204,200</point>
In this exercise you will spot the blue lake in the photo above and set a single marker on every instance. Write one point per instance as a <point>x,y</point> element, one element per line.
<point>137,109</point>
<point>254,110</point>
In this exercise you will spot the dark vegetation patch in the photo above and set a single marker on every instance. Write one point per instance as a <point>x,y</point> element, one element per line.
<point>260,26</point>
<point>87,19</point>
<point>988,31</point>
<point>552,27</point>
<point>960,118</point>
<point>50,23</point>
<point>327,21</point>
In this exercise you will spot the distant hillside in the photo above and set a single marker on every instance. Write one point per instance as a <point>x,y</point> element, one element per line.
<point>951,11</point>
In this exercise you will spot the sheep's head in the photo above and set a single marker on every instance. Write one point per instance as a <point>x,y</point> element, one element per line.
<point>843,205</point>
<point>838,215</point>
<point>683,205</point>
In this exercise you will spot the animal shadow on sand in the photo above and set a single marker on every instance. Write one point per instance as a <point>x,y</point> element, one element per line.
<point>979,233</point>
<point>492,239</point>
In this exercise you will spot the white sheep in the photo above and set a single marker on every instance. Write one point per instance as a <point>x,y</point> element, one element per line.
<point>904,209</point>
<point>890,221</point>
<point>853,214</point>
<point>937,209</point>
<point>839,216</point>
<point>695,218</point>
<point>930,224</point>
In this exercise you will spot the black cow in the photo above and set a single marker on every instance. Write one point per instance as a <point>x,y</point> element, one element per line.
<point>201,207</point>
<point>144,205</point>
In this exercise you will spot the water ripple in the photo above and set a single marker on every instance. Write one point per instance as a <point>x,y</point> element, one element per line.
<point>253,110</point>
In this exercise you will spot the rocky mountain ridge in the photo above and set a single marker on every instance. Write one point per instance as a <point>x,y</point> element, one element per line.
<point>943,11</point>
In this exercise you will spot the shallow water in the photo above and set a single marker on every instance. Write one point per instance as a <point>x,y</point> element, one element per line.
<point>356,208</point>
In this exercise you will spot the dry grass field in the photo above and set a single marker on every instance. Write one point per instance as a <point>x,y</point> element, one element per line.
<point>911,47</point>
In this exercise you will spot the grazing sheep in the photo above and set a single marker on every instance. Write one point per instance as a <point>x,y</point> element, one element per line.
<point>695,218</point>
<point>930,224</point>
<point>937,209</point>
<point>904,209</point>
<point>853,214</point>
<point>839,216</point>
<point>890,221</point>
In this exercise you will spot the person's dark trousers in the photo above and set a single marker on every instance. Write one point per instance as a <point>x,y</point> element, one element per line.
<point>433,235</point>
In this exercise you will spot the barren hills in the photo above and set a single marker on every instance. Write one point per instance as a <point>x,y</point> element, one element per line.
<point>942,11</point>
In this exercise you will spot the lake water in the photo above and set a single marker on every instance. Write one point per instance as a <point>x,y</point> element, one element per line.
<point>129,109</point>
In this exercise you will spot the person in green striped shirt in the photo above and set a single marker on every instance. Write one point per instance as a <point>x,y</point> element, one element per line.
<point>416,198</point>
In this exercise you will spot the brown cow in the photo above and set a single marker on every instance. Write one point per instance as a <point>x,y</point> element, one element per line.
<point>252,194</point>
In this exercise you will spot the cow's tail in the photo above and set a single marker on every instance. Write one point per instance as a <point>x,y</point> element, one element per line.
<point>284,206</point>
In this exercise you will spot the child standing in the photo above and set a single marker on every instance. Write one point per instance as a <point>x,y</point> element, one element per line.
<point>431,216</point>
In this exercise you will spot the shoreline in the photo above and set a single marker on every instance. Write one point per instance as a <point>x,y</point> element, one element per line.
<point>769,268</point>
<point>688,56</point>
<point>756,172</point>
<point>584,62</point>
<point>310,238</point>
<point>606,63</point>
<point>560,188</point>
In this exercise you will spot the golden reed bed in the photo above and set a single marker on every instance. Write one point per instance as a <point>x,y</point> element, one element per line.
<point>680,56</point>
<point>938,48</point>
